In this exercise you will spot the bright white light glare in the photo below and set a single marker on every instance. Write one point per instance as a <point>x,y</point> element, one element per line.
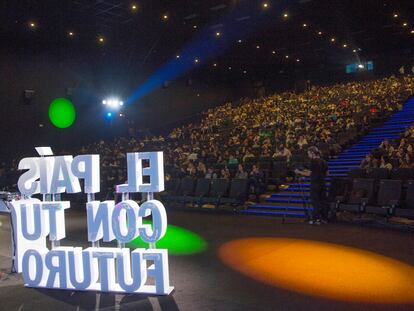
<point>360,66</point>
<point>113,103</point>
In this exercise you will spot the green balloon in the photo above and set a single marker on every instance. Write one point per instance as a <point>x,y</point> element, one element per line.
<point>62,113</point>
<point>177,240</point>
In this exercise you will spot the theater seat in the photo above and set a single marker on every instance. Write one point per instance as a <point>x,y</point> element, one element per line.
<point>388,198</point>
<point>338,191</point>
<point>378,173</point>
<point>357,173</point>
<point>201,191</point>
<point>407,209</point>
<point>186,189</point>
<point>361,195</point>
<point>279,172</point>
<point>172,187</point>
<point>218,190</point>
<point>238,193</point>
<point>402,174</point>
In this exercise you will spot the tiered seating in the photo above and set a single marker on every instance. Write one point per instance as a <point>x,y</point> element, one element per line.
<point>344,169</point>
<point>387,197</point>
<point>197,192</point>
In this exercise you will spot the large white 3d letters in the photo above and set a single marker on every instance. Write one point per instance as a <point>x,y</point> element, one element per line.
<point>106,269</point>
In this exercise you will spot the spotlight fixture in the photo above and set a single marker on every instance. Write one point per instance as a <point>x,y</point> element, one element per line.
<point>134,7</point>
<point>32,25</point>
<point>265,5</point>
<point>165,17</point>
<point>240,41</point>
<point>113,103</point>
<point>273,52</point>
<point>333,39</point>
<point>215,65</point>
<point>285,15</point>
<point>395,15</point>
<point>345,45</point>
<point>177,56</point>
<point>354,50</point>
<point>305,25</point>
<point>196,60</point>
<point>297,60</point>
<point>195,27</point>
<point>257,46</point>
<point>320,33</point>
<point>405,24</point>
<point>101,39</point>
<point>71,34</point>
<point>361,66</point>
<point>218,34</point>
<point>287,56</point>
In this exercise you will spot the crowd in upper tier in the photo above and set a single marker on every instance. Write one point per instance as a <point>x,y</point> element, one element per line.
<point>230,139</point>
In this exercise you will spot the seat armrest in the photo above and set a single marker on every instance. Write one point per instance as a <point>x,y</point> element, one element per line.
<point>394,202</point>
<point>339,199</point>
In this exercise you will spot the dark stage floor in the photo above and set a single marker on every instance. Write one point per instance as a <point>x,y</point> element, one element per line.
<point>204,281</point>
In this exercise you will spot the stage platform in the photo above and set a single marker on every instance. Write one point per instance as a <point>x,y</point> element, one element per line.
<point>207,279</point>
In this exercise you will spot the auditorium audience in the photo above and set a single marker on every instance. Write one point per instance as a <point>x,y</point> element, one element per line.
<point>241,174</point>
<point>231,139</point>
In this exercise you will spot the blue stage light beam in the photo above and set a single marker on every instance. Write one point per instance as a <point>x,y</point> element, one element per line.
<point>241,23</point>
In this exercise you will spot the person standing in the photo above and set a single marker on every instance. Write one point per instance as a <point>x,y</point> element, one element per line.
<point>317,172</point>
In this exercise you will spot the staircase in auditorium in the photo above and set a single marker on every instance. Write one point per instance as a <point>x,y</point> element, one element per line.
<point>293,201</point>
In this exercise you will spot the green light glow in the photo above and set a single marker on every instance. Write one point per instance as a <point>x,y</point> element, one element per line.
<point>62,113</point>
<point>177,240</point>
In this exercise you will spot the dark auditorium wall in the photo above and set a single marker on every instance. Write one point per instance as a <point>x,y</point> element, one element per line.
<point>95,76</point>
<point>50,76</point>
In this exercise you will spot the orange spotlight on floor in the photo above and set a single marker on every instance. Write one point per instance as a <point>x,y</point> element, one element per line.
<point>322,269</point>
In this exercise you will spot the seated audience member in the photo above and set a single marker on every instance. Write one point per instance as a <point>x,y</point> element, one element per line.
<point>256,181</point>
<point>210,174</point>
<point>407,161</point>
<point>385,163</point>
<point>369,162</point>
<point>201,169</point>
<point>241,174</point>
<point>386,147</point>
<point>265,153</point>
<point>248,155</point>
<point>191,170</point>
<point>302,142</point>
<point>233,160</point>
<point>225,173</point>
<point>282,152</point>
<point>192,156</point>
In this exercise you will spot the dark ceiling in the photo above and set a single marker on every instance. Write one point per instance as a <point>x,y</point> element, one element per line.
<point>270,40</point>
